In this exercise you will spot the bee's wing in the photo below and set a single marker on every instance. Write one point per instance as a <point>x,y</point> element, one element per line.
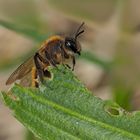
<point>21,71</point>
<point>26,81</point>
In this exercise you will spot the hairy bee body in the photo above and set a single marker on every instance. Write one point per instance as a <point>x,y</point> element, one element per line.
<point>54,51</point>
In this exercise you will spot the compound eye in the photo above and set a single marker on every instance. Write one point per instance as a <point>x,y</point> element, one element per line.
<point>71,45</point>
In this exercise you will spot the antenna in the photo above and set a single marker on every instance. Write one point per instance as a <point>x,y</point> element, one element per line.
<point>78,32</point>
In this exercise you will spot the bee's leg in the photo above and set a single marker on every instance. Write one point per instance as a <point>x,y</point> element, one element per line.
<point>53,63</point>
<point>73,62</point>
<point>34,78</point>
<point>64,55</point>
<point>42,59</point>
<point>45,61</point>
<point>67,66</point>
<point>38,67</point>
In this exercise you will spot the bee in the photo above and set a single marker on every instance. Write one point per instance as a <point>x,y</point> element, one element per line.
<point>54,51</point>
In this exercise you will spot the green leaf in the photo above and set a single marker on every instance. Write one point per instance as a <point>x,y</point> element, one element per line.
<point>30,136</point>
<point>63,108</point>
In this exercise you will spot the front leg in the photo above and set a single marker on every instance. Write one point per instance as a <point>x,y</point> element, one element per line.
<point>73,62</point>
<point>65,55</point>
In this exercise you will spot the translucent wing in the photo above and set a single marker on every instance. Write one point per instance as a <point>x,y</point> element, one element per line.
<point>21,71</point>
<point>26,81</point>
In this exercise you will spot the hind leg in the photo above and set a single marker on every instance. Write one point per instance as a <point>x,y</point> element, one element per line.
<point>39,66</point>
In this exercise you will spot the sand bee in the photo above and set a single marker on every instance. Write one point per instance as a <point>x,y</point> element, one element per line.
<point>54,51</point>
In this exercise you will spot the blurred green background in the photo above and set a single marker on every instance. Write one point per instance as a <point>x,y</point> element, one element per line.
<point>109,65</point>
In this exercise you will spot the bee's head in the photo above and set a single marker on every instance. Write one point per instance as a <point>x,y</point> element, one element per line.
<point>72,43</point>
